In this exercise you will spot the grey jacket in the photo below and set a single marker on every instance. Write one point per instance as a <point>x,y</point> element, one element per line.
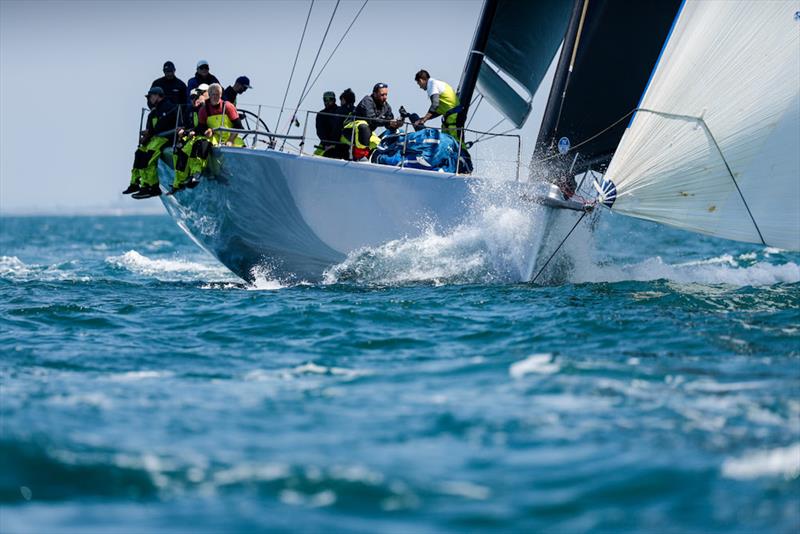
<point>374,115</point>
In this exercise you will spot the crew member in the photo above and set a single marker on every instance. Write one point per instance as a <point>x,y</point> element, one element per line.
<point>444,102</point>
<point>329,126</point>
<point>174,88</point>
<point>191,151</point>
<point>144,176</point>
<point>216,113</point>
<point>372,112</point>
<point>347,103</point>
<point>202,75</point>
<point>241,85</point>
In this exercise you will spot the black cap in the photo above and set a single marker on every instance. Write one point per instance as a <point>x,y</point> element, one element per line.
<point>169,66</point>
<point>155,91</point>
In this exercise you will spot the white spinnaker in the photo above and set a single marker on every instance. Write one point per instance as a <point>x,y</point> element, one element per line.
<point>735,65</point>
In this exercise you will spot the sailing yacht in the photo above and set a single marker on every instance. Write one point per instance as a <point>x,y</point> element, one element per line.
<point>613,110</point>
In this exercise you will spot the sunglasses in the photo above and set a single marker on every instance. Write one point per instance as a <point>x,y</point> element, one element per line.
<point>204,67</point>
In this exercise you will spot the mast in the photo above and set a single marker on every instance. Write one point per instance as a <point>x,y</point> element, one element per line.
<point>558,90</point>
<point>469,78</point>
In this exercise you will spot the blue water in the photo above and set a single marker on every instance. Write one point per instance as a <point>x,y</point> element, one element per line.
<point>656,388</point>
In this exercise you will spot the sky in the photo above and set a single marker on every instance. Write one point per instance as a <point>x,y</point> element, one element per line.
<point>73,75</point>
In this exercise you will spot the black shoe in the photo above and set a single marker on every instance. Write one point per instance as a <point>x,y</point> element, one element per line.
<point>192,182</point>
<point>133,188</point>
<point>147,192</point>
<point>176,189</point>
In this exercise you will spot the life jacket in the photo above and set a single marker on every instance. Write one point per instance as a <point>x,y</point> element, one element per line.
<point>220,120</point>
<point>448,108</point>
<point>448,99</point>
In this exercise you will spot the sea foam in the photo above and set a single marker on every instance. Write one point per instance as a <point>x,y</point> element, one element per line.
<point>169,270</point>
<point>723,269</point>
<point>491,245</point>
<point>14,269</point>
<point>782,462</point>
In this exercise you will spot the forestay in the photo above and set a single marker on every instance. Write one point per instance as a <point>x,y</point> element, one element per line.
<point>715,145</point>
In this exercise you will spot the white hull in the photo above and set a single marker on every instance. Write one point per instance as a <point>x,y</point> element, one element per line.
<point>299,215</point>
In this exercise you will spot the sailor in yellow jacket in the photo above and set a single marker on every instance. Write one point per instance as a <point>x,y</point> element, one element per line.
<point>444,102</point>
<point>217,113</point>
<point>144,175</point>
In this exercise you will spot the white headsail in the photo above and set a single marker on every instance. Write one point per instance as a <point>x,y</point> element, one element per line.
<point>715,145</point>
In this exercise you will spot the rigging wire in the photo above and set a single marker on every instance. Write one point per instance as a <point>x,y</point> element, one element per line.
<point>489,135</point>
<point>559,246</point>
<point>475,109</point>
<point>334,51</point>
<point>498,123</point>
<point>310,72</point>
<point>296,57</point>
<point>592,138</point>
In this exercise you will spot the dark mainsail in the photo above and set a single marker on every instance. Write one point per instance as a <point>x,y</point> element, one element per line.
<point>610,47</point>
<point>518,40</point>
<point>602,73</point>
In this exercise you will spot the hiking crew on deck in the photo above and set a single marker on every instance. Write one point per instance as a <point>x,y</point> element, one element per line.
<point>144,175</point>
<point>216,113</point>
<point>191,151</point>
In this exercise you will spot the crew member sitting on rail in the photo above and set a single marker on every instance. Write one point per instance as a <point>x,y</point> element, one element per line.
<point>174,88</point>
<point>444,102</point>
<point>191,151</point>
<point>329,126</point>
<point>201,75</point>
<point>144,176</point>
<point>241,85</point>
<point>216,113</point>
<point>372,112</point>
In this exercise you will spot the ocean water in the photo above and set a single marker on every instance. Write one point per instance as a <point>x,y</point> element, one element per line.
<point>655,387</point>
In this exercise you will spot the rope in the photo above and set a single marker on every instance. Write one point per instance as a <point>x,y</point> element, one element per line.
<point>595,136</point>
<point>299,47</point>
<point>334,51</point>
<point>310,72</point>
<point>487,136</point>
<point>475,109</point>
<point>498,123</point>
<point>559,246</point>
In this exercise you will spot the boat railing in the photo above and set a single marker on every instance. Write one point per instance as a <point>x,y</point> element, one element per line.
<point>270,139</point>
<point>480,136</point>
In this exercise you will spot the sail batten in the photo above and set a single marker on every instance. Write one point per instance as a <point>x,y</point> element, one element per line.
<point>715,147</point>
